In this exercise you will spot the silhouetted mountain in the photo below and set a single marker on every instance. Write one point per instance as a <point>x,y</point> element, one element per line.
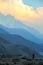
<point>20,40</point>
<point>22,32</point>
<point>8,48</point>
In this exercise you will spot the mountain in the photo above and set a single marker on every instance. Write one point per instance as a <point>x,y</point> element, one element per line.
<point>10,22</point>
<point>7,48</point>
<point>15,32</point>
<point>20,40</point>
<point>16,39</point>
<point>22,32</point>
<point>26,34</point>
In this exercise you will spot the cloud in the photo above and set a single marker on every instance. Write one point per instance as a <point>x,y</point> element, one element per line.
<point>23,12</point>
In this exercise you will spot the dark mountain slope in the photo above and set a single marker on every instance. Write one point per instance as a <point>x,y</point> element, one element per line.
<point>16,39</point>
<point>20,40</point>
<point>9,48</point>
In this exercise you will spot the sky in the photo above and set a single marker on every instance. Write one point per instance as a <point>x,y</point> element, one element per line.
<point>34,3</point>
<point>29,12</point>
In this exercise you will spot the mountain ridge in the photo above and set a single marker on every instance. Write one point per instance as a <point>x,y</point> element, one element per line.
<point>22,32</point>
<point>8,48</point>
<point>17,39</point>
<point>10,22</point>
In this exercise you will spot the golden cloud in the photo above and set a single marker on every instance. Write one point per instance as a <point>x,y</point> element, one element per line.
<point>22,12</point>
<point>19,10</point>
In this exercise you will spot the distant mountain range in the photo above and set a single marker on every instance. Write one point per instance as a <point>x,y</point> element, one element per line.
<point>19,39</point>
<point>22,32</point>
<point>10,22</point>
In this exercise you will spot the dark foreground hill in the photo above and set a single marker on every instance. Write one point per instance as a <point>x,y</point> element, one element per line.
<point>19,40</point>
<point>7,48</point>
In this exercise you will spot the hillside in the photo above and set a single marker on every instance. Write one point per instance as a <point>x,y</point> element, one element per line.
<point>8,48</point>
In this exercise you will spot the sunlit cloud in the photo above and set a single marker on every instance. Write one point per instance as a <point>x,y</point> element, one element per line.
<point>23,12</point>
